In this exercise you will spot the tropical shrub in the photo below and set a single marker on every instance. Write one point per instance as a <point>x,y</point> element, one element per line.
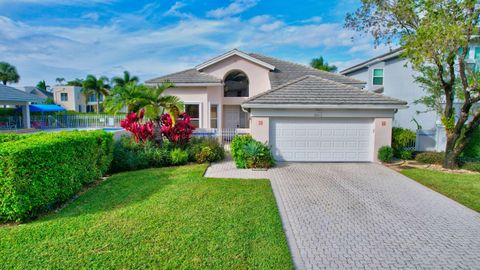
<point>401,137</point>
<point>203,150</point>
<point>472,150</point>
<point>40,171</point>
<point>472,166</point>
<point>178,133</point>
<point>385,153</point>
<point>141,131</point>
<point>249,153</point>
<point>405,155</point>
<point>430,157</point>
<point>179,156</point>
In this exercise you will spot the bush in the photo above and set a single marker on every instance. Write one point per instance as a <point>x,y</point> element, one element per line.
<point>385,153</point>
<point>37,172</point>
<point>249,153</point>
<point>203,150</point>
<point>179,156</point>
<point>472,150</point>
<point>405,154</point>
<point>401,137</point>
<point>471,166</point>
<point>430,157</point>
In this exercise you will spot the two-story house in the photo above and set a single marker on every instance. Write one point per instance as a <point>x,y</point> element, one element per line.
<point>72,99</point>
<point>304,114</point>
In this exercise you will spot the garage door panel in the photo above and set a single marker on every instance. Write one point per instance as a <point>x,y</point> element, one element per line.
<point>310,139</point>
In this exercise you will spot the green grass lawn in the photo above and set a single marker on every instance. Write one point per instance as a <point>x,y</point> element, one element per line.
<point>463,188</point>
<point>159,218</point>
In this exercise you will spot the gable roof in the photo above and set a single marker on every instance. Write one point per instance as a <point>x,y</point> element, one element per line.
<point>383,57</point>
<point>315,92</point>
<point>38,92</point>
<point>8,93</point>
<point>237,53</point>
<point>190,76</point>
<point>286,71</point>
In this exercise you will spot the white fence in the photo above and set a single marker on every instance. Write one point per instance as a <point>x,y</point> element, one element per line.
<point>224,135</point>
<point>75,121</point>
<point>431,140</point>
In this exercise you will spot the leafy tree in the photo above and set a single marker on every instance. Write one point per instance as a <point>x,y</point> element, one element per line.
<point>42,85</point>
<point>95,86</point>
<point>156,103</point>
<point>8,73</point>
<point>434,34</point>
<point>49,100</point>
<point>127,78</point>
<point>77,82</point>
<point>127,96</point>
<point>60,80</point>
<point>321,64</point>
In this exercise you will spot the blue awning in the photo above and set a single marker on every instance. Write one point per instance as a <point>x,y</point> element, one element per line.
<point>46,108</point>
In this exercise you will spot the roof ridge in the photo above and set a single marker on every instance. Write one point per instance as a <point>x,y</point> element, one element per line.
<point>277,88</point>
<point>183,71</point>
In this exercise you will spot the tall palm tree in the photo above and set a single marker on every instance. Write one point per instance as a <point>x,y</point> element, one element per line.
<point>128,96</point>
<point>60,80</point>
<point>42,85</point>
<point>92,85</point>
<point>8,73</point>
<point>156,103</point>
<point>321,64</point>
<point>127,78</point>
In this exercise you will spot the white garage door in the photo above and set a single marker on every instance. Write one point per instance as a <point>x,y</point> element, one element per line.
<point>331,139</point>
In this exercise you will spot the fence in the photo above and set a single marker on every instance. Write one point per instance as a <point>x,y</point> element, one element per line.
<point>225,135</point>
<point>75,121</point>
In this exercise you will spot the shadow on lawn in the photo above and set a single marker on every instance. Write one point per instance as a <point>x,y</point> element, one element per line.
<point>119,191</point>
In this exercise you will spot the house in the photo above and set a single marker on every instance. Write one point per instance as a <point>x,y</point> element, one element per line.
<point>42,94</point>
<point>12,97</point>
<point>304,114</point>
<point>72,99</point>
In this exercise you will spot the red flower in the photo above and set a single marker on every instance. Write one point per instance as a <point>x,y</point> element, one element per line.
<point>140,131</point>
<point>180,133</point>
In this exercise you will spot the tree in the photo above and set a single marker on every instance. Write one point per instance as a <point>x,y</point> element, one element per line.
<point>435,36</point>
<point>127,78</point>
<point>77,82</point>
<point>60,80</point>
<point>156,103</point>
<point>98,87</point>
<point>42,85</point>
<point>127,96</point>
<point>8,73</point>
<point>321,64</point>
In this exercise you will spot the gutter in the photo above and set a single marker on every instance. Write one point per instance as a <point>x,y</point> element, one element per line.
<point>322,106</point>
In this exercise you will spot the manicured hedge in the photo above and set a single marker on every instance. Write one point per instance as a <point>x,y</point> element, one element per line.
<point>249,153</point>
<point>39,171</point>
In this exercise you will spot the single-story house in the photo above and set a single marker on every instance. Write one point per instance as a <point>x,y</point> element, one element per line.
<point>304,114</point>
<point>13,97</point>
<point>41,93</point>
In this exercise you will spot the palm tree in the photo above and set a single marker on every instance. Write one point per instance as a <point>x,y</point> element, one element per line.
<point>321,64</point>
<point>60,80</point>
<point>128,96</point>
<point>8,73</point>
<point>156,103</point>
<point>42,85</point>
<point>127,78</point>
<point>98,87</point>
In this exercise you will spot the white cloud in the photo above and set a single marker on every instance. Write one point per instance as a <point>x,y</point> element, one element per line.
<point>271,26</point>
<point>174,10</point>
<point>94,16</point>
<point>236,7</point>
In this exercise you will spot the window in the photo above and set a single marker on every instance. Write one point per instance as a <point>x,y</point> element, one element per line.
<point>477,53</point>
<point>236,84</point>
<point>64,96</point>
<point>213,116</point>
<point>90,108</point>
<point>92,98</point>
<point>378,76</point>
<point>193,110</point>
<point>79,108</point>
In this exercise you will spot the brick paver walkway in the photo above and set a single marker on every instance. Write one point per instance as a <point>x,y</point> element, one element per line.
<point>366,216</point>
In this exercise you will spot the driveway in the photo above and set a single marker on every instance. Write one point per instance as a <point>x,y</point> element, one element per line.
<point>366,216</point>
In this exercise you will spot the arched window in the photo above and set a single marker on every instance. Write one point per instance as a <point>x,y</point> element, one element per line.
<point>236,84</point>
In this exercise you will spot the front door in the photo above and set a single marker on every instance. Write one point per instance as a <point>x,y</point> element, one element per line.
<point>232,116</point>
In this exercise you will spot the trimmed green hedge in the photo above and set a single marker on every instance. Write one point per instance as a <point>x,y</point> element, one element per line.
<point>39,171</point>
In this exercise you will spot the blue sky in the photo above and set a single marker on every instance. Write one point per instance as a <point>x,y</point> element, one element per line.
<point>46,39</point>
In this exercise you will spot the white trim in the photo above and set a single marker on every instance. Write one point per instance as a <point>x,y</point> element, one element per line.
<point>210,114</point>
<point>187,84</point>
<point>200,114</point>
<point>371,62</point>
<point>323,106</point>
<point>232,53</point>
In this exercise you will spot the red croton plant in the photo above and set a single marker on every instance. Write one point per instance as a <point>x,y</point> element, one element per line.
<point>179,133</point>
<point>141,131</point>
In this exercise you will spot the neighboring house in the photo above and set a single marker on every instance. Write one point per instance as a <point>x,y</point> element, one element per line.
<point>42,94</point>
<point>72,99</point>
<point>11,97</point>
<point>304,114</point>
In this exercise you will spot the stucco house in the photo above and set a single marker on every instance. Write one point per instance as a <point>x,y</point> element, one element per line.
<point>72,99</point>
<point>304,114</point>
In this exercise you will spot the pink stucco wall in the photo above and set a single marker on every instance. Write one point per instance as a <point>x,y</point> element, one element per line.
<point>260,128</point>
<point>382,136</point>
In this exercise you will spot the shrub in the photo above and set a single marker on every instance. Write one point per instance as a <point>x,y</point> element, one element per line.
<point>430,157</point>
<point>38,172</point>
<point>179,156</point>
<point>405,155</point>
<point>141,132</point>
<point>180,133</point>
<point>401,137</point>
<point>385,153</point>
<point>471,166</point>
<point>248,153</point>
<point>472,150</point>
<point>197,150</point>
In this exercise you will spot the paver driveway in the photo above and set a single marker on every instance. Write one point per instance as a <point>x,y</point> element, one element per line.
<point>366,216</point>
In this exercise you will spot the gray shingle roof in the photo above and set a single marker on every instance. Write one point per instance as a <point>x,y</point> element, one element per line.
<point>8,93</point>
<point>38,92</point>
<point>286,71</point>
<point>186,76</point>
<point>313,90</point>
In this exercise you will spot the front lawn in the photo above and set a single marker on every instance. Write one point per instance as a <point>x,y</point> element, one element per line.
<point>157,218</point>
<point>464,188</point>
